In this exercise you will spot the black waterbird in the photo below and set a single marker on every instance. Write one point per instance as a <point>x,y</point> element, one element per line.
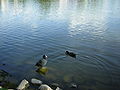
<point>70,54</point>
<point>42,62</point>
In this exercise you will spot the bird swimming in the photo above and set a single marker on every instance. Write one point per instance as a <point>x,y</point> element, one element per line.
<point>70,54</point>
<point>42,62</point>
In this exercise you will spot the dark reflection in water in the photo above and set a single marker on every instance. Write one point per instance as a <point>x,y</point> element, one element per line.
<point>90,28</point>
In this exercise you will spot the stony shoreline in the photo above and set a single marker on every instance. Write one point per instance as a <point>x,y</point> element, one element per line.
<point>25,85</point>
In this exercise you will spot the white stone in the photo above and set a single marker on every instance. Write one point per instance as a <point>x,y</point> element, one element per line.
<point>58,88</point>
<point>24,84</point>
<point>73,85</point>
<point>45,87</point>
<point>36,81</point>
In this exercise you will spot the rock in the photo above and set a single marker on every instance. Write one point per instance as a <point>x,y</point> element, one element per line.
<point>73,85</point>
<point>67,78</point>
<point>55,85</point>
<point>58,88</point>
<point>3,89</point>
<point>36,81</point>
<point>45,87</point>
<point>42,70</point>
<point>3,75</point>
<point>24,84</point>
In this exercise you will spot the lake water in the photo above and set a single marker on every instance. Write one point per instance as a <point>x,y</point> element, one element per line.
<point>90,28</point>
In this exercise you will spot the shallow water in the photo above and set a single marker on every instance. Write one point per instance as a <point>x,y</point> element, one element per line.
<point>90,28</point>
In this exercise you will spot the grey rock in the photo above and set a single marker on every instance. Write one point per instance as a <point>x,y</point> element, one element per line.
<point>24,84</point>
<point>45,87</point>
<point>55,85</point>
<point>36,81</point>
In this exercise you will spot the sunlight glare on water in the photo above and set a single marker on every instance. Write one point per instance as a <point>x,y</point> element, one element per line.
<point>90,28</point>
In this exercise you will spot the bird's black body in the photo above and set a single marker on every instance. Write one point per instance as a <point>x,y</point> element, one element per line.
<point>42,62</point>
<point>39,63</point>
<point>70,54</point>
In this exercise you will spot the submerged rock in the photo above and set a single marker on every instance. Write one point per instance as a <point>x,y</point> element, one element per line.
<point>8,84</point>
<point>3,89</point>
<point>45,87</point>
<point>42,70</point>
<point>55,85</point>
<point>67,78</point>
<point>3,75</point>
<point>24,84</point>
<point>36,81</point>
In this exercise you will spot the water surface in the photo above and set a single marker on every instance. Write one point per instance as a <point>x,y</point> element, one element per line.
<point>90,28</point>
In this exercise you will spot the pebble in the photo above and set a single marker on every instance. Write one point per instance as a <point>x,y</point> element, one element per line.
<point>24,84</point>
<point>45,87</point>
<point>36,81</point>
<point>55,85</point>
<point>73,85</point>
<point>58,88</point>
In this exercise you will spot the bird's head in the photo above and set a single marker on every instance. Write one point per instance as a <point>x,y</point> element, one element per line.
<point>45,57</point>
<point>66,52</point>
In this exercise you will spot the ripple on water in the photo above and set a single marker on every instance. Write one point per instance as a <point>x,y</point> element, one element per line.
<point>31,28</point>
